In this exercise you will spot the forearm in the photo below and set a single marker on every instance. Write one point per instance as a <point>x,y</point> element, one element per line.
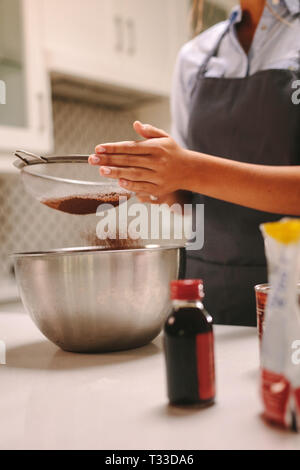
<point>159,167</point>
<point>267,188</point>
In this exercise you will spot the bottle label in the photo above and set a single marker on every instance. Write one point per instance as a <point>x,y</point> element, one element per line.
<point>275,394</point>
<point>261,301</point>
<point>205,365</point>
<point>297,400</point>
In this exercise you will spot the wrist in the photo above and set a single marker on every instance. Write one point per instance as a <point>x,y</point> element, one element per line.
<point>196,166</point>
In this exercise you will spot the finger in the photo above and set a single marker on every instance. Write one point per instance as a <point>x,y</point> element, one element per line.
<point>122,160</point>
<point>131,174</point>
<point>127,147</point>
<point>147,131</point>
<point>142,186</point>
<point>94,160</point>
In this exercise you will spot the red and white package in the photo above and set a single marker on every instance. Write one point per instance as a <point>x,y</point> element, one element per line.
<point>280,352</point>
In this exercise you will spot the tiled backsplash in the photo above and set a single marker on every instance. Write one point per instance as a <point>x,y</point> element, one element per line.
<point>78,127</point>
<point>27,225</point>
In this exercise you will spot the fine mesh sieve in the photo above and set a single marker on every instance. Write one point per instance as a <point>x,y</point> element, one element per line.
<point>68,183</point>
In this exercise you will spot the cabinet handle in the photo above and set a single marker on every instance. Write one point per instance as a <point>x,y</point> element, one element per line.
<point>41,112</point>
<point>118,33</point>
<point>131,36</point>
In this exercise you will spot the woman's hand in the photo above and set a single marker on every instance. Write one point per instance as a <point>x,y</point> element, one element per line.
<point>156,166</point>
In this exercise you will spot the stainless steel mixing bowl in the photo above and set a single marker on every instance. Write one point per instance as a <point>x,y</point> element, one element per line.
<point>94,299</point>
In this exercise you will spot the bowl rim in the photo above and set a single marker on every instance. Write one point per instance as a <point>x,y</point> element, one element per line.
<point>104,182</point>
<point>266,287</point>
<point>93,249</point>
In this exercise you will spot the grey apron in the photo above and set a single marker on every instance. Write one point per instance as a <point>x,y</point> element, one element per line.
<point>249,120</point>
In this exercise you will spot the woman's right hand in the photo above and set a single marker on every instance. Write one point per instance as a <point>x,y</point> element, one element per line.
<point>156,167</point>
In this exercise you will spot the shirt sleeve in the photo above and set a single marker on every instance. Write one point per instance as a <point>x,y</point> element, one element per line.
<point>179,104</point>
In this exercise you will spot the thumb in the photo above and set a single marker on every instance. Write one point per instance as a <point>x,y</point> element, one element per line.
<point>147,131</point>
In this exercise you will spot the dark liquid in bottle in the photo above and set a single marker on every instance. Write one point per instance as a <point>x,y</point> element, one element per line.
<point>189,355</point>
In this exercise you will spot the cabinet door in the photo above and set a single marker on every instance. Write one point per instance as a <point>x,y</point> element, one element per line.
<point>130,44</point>
<point>25,118</point>
<point>80,37</point>
<point>148,43</point>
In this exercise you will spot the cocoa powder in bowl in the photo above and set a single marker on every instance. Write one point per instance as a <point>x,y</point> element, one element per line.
<point>84,204</point>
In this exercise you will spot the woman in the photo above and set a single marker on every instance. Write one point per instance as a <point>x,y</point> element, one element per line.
<point>235,147</point>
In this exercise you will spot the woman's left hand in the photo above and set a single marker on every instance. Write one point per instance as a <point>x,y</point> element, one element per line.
<point>156,166</point>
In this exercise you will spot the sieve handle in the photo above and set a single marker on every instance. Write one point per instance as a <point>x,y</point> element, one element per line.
<point>20,154</point>
<point>24,160</point>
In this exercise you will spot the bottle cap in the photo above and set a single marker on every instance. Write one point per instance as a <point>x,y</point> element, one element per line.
<point>188,289</point>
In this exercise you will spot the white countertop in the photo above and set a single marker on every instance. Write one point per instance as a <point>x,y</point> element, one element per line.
<point>50,399</point>
<point>8,291</point>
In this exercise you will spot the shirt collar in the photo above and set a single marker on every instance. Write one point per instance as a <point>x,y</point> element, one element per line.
<point>292,5</point>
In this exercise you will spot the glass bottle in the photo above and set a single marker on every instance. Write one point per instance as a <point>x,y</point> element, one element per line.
<point>189,346</point>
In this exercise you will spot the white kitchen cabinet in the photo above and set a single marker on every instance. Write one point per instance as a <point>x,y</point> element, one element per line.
<point>126,43</point>
<point>25,109</point>
<point>78,36</point>
<point>146,54</point>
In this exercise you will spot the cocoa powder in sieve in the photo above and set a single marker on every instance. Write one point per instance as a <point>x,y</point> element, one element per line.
<point>86,204</point>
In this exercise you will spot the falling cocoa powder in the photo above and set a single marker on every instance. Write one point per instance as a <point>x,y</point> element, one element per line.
<point>113,243</point>
<point>87,204</point>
